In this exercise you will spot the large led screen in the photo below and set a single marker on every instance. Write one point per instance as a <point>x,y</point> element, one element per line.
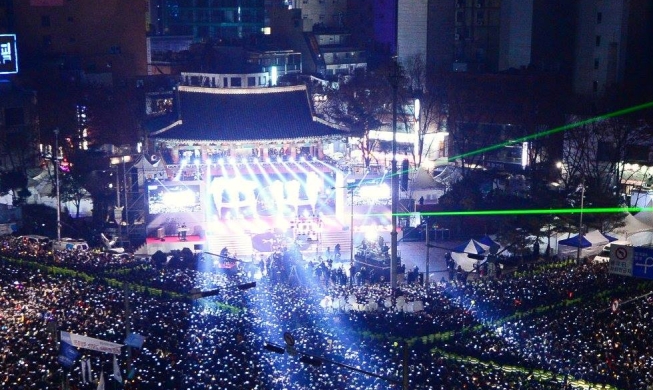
<point>173,198</point>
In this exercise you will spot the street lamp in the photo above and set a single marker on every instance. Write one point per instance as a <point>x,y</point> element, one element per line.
<point>394,81</point>
<point>56,178</point>
<point>350,188</point>
<point>580,224</point>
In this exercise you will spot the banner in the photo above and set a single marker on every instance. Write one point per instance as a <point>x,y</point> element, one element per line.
<point>80,341</point>
<point>67,355</point>
<point>116,370</point>
<point>100,385</point>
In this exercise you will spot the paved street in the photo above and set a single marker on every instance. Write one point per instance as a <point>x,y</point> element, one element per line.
<point>414,254</point>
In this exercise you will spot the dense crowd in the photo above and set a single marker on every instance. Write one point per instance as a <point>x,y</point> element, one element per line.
<point>547,326</point>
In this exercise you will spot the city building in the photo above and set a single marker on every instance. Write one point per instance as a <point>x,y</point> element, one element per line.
<point>229,21</point>
<point>93,42</point>
<point>613,46</point>
<point>320,14</point>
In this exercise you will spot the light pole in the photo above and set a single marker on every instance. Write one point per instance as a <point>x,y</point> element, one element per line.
<point>351,235</point>
<point>56,179</point>
<point>394,81</point>
<point>428,246</point>
<point>580,224</point>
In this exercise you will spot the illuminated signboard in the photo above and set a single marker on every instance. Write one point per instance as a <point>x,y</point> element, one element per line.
<point>8,54</point>
<point>635,261</point>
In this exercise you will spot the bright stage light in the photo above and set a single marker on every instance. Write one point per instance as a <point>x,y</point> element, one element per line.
<point>221,161</point>
<point>381,191</point>
<point>232,160</point>
<point>179,198</point>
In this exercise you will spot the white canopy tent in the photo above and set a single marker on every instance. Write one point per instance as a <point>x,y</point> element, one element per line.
<point>459,255</point>
<point>635,231</point>
<point>591,244</point>
<point>646,216</point>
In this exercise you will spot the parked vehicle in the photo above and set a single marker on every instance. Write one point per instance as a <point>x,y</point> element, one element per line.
<point>604,256</point>
<point>70,244</point>
<point>33,239</point>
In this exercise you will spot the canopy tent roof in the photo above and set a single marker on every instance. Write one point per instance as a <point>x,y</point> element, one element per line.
<point>424,180</point>
<point>633,225</point>
<point>493,245</point>
<point>460,254</point>
<point>592,238</point>
<point>646,216</point>
<point>574,241</point>
<point>473,247</point>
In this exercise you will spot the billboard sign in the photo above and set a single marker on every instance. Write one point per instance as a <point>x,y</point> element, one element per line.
<point>631,261</point>
<point>621,260</point>
<point>643,263</point>
<point>8,54</point>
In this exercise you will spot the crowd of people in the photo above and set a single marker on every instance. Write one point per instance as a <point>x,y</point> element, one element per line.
<point>550,325</point>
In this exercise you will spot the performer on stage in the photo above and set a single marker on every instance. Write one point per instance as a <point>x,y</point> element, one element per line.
<point>183,230</point>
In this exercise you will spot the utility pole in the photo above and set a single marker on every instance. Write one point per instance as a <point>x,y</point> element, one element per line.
<point>55,155</point>
<point>351,236</point>
<point>128,326</point>
<point>394,81</point>
<point>580,224</point>
<point>405,367</point>
<point>428,246</point>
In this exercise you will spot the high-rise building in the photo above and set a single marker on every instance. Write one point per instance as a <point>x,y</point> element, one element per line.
<point>412,21</point>
<point>488,35</point>
<point>103,42</point>
<point>230,20</point>
<point>613,43</point>
<point>321,14</point>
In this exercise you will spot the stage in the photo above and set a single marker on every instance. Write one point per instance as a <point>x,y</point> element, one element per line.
<point>249,239</point>
<point>171,243</point>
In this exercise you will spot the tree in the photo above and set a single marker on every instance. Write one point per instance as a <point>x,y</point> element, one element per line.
<point>15,182</point>
<point>431,112</point>
<point>359,103</point>
<point>72,190</point>
<point>593,156</point>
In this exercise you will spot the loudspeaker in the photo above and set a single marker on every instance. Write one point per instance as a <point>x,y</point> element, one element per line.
<point>198,247</point>
<point>405,167</point>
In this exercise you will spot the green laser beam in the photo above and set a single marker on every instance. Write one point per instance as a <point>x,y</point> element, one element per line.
<point>555,130</point>
<point>542,133</point>
<point>587,210</point>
